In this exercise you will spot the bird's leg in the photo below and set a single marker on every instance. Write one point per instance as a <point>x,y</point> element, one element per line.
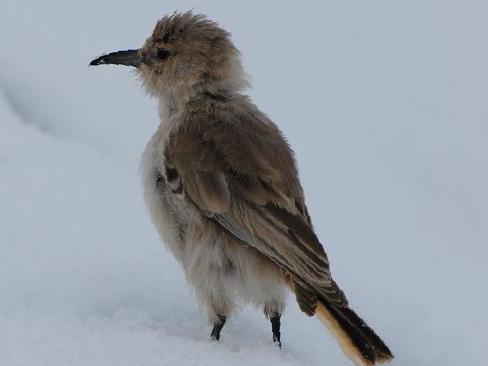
<point>275,328</point>
<point>218,325</point>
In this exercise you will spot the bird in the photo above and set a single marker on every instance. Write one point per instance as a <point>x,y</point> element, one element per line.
<point>221,184</point>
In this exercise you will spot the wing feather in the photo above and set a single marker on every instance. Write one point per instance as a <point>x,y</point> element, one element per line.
<point>242,177</point>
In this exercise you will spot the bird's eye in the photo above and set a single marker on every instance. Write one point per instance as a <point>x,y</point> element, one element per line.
<point>163,54</point>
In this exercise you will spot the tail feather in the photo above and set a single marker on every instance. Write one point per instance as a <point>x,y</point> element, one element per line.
<point>358,341</point>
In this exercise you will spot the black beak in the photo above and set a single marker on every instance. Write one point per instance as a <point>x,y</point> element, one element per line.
<point>127,58</point>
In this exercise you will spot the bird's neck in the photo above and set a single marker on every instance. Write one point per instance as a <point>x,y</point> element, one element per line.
<point>181,101</point>
<point>229,80</point>
<point>173,109</point>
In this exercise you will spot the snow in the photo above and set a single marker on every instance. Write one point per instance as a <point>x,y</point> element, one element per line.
<point>385,105</point>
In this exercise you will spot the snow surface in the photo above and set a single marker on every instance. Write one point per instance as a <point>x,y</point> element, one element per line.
<point>386,106</point>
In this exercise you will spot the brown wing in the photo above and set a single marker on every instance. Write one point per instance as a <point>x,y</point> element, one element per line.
<point>241,174</point>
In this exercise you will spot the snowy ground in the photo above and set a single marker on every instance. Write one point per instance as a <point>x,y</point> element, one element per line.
<point>386,106</point>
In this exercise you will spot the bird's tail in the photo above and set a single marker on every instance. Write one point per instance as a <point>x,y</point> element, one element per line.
<point>357,340</point>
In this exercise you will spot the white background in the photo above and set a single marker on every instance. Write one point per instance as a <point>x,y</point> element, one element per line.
<point>385,104</point>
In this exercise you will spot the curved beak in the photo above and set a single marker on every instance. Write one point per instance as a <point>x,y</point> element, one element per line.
<point>127,58</point>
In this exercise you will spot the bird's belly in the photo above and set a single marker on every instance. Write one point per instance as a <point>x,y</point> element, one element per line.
<point>219,265</point>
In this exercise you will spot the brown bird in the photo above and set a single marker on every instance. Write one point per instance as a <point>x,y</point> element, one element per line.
<point>223,191</point>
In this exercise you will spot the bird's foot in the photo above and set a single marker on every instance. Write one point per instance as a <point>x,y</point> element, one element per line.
<point>275,328</point>
<point>218,325</point>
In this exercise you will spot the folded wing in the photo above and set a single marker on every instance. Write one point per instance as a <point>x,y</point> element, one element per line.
<point>241,175</point>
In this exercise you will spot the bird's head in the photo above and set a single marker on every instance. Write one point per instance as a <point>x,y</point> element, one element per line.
<point>185,54</point>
